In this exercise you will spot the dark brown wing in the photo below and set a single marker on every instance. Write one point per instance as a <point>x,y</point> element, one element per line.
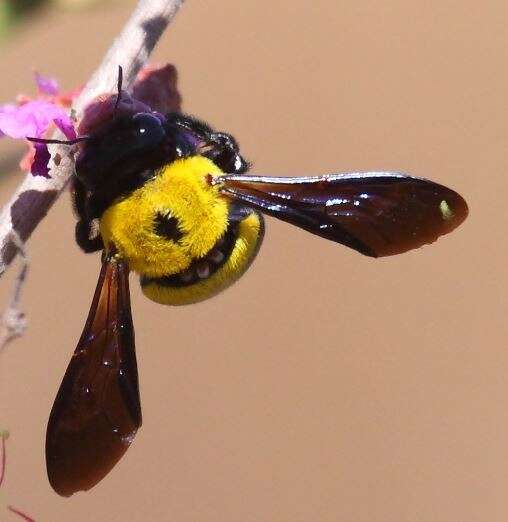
<point>376,213</point>
<point>97,410</point>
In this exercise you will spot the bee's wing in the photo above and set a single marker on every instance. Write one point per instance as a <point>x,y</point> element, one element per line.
<point>97,409</point>
<point>375,213</point>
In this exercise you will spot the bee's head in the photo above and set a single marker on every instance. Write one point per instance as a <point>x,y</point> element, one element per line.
<point>121,135</point>
<point>124,137</point>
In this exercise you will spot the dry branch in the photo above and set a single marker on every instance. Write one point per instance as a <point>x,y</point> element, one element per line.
<point>36,194</point>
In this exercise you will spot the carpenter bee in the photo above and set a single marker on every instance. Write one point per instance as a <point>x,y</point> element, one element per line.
<point>168,197</point>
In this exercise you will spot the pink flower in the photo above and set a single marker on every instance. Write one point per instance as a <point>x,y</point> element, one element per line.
<point>46,85</point>
<point>156,86</point>
<point>34,118</point>
<point>154,90</point>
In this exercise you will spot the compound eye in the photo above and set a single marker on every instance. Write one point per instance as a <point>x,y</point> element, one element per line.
<point>148,128</point>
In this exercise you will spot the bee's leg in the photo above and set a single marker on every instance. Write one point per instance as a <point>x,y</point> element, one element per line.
<point>193,124</point>
<point>220,147</point>
<point>86,233</point>
<point>225,153</point>
<point>87,238</point>
<point>79,196</point>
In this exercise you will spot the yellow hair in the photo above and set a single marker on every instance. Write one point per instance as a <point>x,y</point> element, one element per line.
<point>182,191</point>
<point>179,190</point>
<point>243,253</point>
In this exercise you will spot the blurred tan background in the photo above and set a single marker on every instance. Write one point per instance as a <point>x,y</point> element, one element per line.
<point>324,386</point>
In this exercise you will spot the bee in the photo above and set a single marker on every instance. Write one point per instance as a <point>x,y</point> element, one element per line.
<point>168,197</point>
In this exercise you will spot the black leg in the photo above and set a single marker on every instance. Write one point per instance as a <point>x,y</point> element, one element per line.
<point>84,238</point>
<point>220,147</point>
<point>78,197</point>
<point>193,124</point>
<point>226,155</point>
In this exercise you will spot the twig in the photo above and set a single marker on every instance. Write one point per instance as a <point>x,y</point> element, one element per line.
<point>24,516</point>
<point>36,194</point>
<point>3,458</point>
<point>13,320</point>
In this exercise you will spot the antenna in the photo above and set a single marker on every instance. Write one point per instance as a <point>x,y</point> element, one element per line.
<point>119,87</point>
<point>59,142</point>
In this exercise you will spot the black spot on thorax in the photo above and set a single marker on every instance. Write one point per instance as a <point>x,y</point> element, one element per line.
<point>167,226</point>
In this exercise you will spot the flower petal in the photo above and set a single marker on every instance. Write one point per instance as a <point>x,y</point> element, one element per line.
<point>156,86</point>
<point>46,85</point>
<point>30,119</point>
<point>14,123</point>
<point>25,164</point>
<point>41,160</point>
<point>66,125</point>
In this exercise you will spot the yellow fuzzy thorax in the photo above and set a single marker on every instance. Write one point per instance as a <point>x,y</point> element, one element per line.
<point>179,190</point>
